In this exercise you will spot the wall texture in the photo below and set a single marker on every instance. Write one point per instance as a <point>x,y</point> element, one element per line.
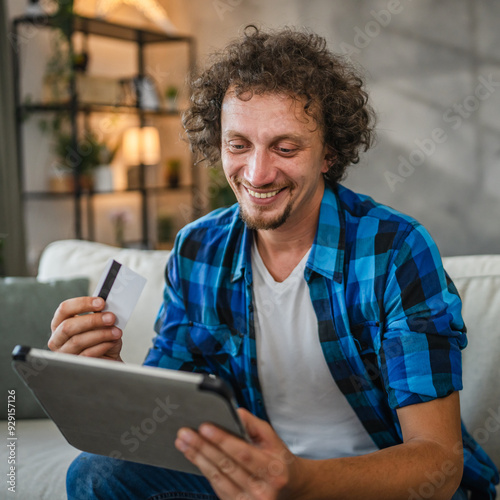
<point>433,71</point>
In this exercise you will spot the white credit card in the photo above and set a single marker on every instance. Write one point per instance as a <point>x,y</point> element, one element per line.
<point>121,288</point>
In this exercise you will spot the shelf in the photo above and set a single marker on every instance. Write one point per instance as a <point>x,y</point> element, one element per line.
<point>95,108</point>
<point>51,195</point>
<point>149,190</point>
<point>93,26</point>
<point>47,195</point>
<point>84,208</point>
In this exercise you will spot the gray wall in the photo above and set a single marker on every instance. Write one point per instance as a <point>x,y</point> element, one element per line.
<point>433,70</point>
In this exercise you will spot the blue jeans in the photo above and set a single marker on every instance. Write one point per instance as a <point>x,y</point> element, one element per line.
<point>93,477</point>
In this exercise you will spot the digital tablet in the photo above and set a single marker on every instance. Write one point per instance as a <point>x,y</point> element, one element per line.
<point>125,411</point>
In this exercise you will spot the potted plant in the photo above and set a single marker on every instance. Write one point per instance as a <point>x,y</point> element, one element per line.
<point>171,93</point>
<point>86,157</point>
<point>165,231</point>
<point>173,170</point>
<point>59,68</point>
<point>221,194</point>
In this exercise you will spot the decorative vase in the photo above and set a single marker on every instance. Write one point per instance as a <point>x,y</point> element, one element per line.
<point>103,178</point>
<point>62,181</point>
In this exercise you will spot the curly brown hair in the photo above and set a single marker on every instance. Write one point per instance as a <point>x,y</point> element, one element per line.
<point>290,62</point>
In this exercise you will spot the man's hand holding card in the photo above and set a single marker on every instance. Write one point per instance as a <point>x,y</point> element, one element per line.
<point>121,288</point>
<point>98,335</point>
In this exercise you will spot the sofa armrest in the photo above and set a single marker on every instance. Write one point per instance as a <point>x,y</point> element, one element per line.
<point>477,278</point>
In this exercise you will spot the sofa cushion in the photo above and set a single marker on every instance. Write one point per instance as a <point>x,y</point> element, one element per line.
<point>71,258</point>
<point>43,458</point>
<point>27,307</point>
<point>477,279</point>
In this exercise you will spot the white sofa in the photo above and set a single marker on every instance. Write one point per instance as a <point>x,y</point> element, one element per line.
<point>44,456</point>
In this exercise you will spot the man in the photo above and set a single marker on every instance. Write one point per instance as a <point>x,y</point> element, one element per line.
<point>330,315</point>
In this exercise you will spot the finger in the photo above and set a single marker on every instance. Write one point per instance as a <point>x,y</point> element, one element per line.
<point>259,431</point>
<point>77,344</point>
<point>109,350</point>
<point>72,307</point>
<point>223,486</point>
<point>264,436</point>
<point>192,441</point>
<point>78,325</point>
<point>242,452</point>
<point>268,462</point>
<point>245,465</point>
<point>220,471</point>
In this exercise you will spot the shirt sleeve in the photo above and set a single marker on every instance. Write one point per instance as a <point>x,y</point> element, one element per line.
<point>172,326</point>
<point>423,330</point>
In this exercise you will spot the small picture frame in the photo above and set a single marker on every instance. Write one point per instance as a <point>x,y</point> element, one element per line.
<point>146,93</point>
<point>140,91</point>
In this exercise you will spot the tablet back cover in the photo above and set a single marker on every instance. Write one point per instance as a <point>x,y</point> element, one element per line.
<point>122,411</point>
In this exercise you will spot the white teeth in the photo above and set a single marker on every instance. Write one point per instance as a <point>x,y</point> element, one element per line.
<point>263,195</point>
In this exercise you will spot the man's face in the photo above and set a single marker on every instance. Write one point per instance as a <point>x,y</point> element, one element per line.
<point>273,157</point>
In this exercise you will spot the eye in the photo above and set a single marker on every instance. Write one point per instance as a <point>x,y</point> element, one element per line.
<point>285,149</point>
<point>237,146</point>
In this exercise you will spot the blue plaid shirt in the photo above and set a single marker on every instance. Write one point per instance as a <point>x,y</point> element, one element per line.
<point>389,317</point>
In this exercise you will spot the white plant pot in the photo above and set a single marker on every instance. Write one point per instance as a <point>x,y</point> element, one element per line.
<point>103,178</point>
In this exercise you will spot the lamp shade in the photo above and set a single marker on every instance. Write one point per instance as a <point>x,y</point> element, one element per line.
<point>141,145</point>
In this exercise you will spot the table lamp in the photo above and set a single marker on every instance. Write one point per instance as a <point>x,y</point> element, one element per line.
<point>141,148</point>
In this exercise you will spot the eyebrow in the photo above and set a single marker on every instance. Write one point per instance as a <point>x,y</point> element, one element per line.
<point>231,134</point>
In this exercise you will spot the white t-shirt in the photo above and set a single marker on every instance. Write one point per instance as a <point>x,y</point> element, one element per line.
<point>304,404</point>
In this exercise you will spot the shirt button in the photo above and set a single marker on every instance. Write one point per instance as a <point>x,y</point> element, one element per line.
<point>259,402</point>
<point>241,335</point>
<point>250,307</point>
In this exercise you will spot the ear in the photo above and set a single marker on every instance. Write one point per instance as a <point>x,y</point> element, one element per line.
<point>329,159</point>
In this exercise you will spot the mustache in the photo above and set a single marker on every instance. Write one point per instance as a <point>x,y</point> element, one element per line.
<point>267,187</point>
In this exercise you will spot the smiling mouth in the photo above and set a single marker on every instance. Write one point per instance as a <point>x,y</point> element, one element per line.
<point>269,194</point>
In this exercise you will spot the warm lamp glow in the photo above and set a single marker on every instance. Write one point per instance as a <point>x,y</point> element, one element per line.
<point>141,145</point>
<point>151,9</point>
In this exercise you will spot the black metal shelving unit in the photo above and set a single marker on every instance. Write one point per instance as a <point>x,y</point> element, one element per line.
<point>96,27</point>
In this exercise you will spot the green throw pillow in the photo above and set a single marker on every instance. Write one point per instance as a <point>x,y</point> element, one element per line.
<point>26,310</point>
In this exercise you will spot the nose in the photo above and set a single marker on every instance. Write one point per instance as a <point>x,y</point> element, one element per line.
<point>259,170</point>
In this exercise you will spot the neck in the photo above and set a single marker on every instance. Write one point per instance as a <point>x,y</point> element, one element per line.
<point>283,248</point>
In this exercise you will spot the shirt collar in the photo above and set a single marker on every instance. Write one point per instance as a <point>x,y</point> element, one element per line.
<point>242,250</point>
<point>327,251</point>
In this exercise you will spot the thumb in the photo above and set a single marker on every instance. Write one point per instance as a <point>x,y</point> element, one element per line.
<point>260,432</point>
